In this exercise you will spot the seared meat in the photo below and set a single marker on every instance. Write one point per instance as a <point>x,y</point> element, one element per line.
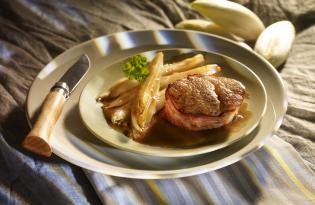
<point>230,92</point>
<point>201,102</point>
<point>194,95</point>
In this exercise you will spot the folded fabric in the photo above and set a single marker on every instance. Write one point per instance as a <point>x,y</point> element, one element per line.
<point>275,174</point>
<point>33,32</point>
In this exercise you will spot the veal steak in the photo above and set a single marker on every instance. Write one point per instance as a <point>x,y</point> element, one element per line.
<point>201,102</point>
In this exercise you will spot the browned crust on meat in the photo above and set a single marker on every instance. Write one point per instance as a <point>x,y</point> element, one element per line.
<point>196,122</point>
<point>201,102</point>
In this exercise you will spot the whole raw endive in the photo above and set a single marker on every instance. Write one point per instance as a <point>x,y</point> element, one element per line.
<point>275,42</point>
<point>233,17</point>
<point>204,26</point>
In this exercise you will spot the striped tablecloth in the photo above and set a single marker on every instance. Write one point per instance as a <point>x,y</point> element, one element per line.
<point>33,32</point>
<point>275,174</point>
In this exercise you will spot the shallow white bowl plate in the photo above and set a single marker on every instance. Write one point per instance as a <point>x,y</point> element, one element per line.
<point>94,119</point>
<point>72,141</point>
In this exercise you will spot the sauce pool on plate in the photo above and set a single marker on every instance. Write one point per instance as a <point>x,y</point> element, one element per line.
<point>164,134</point>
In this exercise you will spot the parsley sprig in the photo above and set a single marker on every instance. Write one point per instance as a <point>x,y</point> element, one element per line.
<point>136,67</point>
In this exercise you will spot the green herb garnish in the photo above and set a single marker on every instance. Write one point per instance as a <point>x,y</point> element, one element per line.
<point>136,67</point>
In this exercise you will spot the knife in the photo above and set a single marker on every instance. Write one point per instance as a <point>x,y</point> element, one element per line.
<point>37,140</point>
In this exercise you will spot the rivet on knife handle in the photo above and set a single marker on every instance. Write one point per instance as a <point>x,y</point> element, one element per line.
<point>37,140</point>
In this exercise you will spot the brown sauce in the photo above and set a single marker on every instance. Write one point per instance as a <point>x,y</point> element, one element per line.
<point>164,134</point>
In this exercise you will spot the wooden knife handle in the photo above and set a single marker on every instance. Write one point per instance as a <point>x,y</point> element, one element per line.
<point>37,140</point>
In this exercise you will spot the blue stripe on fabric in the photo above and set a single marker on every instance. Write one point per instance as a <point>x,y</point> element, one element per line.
<point>290,174</point>
<point>189,198</point>
<point>123,197</point>
<point>295,165</point>
<point>4,194</point>
<point>258,164</point>
<point>142,189</point>
<point>260,170</point>
<point>115,196</point>
<point>174,186</point>
<point>235,183</point>
<point>244,184</point>
<point>248,180</point>
<point>122,187</point>
<point>109,188</point>
<point>280,174</point>
<point>196,190</point>
<point>167,187</point>
<point>130,189</point>
<point>236,198</point>
<point>120,196</point>
<point>61,182</point>
<point>152,195</point>
<point>207,181</point>
<point>199,189</point>
<point>217,180</point>
<point>270,165</point>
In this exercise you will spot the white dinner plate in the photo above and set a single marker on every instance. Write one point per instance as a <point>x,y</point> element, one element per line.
<point>255,103</point>
<point>72,141</point>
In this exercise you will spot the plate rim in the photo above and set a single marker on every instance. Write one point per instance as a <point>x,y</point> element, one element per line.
<point>173,173</point>
<point>176,152</point>
<point>161,174</point>
<point>272,68</point>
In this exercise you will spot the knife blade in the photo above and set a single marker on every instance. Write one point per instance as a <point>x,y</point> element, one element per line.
<point>37,140</point>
